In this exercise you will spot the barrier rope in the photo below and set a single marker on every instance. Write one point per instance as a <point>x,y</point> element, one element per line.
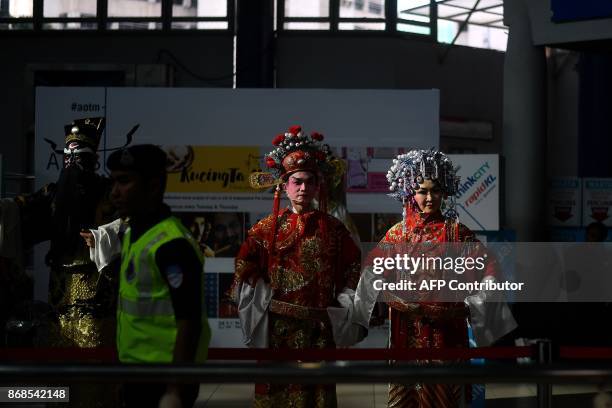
<point>585,353</point>
<point>109,354</point>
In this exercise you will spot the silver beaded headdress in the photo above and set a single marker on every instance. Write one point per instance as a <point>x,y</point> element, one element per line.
<point>412,168</point>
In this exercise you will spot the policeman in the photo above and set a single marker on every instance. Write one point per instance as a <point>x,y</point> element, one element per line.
<point>160,317</point>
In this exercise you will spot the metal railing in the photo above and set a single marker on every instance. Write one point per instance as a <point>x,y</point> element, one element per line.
<point>541,371</point>
<point>305,373</point>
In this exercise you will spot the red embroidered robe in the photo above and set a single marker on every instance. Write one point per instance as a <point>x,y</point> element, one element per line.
<point>314,258</point>
<point>427,325</point>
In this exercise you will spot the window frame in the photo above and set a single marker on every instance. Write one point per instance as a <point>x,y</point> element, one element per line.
<point>392,20</point>
<point>103,21</point>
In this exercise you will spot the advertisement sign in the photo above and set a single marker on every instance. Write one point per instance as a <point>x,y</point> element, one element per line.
<point>478,195</point>
<point>596,201</point>
<point>564,204</point>
<point>210,168</point>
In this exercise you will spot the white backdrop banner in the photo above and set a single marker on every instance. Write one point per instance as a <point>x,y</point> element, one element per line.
<point>232,117</point>
<point>357,119</point>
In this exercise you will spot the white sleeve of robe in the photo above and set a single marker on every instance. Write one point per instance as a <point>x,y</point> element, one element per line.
<point>107,244</point>
<point>253,306</point>
<point>345,329</point>
<point>365,297</point>
<point>490,316</point>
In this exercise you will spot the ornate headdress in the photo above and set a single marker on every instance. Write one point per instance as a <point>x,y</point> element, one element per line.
<point>81,142</point>
<point>412,168</point>
<point>86,132</point>
<point>83,136</point>
<point>296,151</point>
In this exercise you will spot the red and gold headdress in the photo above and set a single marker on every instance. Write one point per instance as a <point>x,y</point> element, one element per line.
<point>296,151</point>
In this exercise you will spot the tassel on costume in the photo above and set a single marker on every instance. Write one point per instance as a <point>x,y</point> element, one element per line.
<point>404,214</point>
<point>410,215</point>
<point>272,238</point>
<point>275,211</point>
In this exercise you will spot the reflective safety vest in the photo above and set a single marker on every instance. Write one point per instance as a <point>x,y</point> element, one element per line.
<point>146,327</point>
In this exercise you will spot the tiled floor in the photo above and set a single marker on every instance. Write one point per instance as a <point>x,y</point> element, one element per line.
<point>375,396</point>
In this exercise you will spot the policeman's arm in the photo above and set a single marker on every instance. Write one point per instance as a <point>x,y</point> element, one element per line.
<point>187,336</point>
<point>182,270</point>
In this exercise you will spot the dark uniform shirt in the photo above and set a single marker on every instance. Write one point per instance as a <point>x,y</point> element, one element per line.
<point>180,267</point>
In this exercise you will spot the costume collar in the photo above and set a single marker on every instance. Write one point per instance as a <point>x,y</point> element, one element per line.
<point>421,219</point>
<point>302,213</point>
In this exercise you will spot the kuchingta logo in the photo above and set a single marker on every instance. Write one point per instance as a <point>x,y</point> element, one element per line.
<point>210,168</point>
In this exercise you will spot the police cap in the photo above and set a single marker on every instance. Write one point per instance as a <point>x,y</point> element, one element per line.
<point>145,159</point>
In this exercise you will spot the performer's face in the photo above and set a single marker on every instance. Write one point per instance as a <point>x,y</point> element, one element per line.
<point>428,196</point>
<point>301,188</point>
<point>78,156</point>
<point>76,200</point>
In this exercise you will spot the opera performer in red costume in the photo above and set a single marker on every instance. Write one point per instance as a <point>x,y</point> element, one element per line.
<point>425,181</point>
<point>297,269</point>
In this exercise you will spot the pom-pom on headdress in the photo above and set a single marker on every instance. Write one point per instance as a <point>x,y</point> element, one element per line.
<point>297,151</point>
<point>412,168</point>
